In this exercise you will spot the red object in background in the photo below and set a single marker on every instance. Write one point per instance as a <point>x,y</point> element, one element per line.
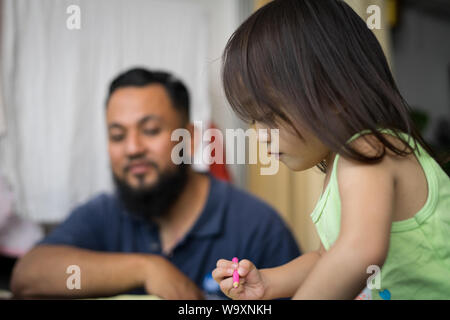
<point>218,170</point>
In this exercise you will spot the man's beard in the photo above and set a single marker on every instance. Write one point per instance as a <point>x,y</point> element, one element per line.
<point>150,202</point>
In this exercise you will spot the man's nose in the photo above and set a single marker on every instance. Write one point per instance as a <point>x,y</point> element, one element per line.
<point>134,144</point>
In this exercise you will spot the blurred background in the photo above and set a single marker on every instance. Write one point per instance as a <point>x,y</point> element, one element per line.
<point>55,74</point>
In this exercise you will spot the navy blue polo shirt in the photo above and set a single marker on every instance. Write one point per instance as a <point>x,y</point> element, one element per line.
<point>233,224</point>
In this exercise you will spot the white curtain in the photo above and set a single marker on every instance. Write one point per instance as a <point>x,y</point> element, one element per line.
<point>2,111</point>
<point>2,115</point>
<point>54,153</point>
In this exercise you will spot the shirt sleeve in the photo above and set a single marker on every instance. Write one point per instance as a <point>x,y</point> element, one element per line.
<point>83,228</point>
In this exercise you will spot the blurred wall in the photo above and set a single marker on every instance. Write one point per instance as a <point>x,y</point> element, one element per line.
<point>224,16</point>
<point>421,71</point>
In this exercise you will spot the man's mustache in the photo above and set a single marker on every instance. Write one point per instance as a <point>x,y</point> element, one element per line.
<point>145,162</point>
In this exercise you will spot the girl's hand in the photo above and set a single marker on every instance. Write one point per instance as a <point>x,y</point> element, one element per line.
<point>252,284</point>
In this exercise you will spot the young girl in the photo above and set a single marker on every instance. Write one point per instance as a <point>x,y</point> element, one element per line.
<point>314,70</point>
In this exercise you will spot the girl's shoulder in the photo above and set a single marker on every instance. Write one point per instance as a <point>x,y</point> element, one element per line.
<point>403,173</point>
<point>398,167</point>
<point>370,146</point>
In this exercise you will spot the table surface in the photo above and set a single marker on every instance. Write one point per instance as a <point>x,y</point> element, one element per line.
<point>5,295</point>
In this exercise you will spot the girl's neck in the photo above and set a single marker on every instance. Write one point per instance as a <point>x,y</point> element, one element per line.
<point>329,159</point>
<point>329,167</point>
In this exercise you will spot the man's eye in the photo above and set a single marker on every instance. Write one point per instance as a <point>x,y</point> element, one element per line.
<point>116,138</point>
<point>151,132</point>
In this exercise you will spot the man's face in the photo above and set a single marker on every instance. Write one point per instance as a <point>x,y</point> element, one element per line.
<point>140,123</point>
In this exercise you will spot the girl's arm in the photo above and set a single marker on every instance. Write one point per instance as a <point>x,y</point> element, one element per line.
<point>367,196</point>
<point>283,281</point>
<point>272,283</point>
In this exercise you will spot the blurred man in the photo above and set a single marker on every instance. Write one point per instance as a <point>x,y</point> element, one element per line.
<point>165,227</point>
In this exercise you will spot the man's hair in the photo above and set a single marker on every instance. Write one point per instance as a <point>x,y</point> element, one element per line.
<point>139,77</point>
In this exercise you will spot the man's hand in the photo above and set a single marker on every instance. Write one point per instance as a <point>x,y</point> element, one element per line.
<point>163,279</point>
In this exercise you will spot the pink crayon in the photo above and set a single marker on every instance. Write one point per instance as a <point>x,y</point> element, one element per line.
<point>235,274</point>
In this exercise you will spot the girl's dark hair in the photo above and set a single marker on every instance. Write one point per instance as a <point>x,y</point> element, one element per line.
<point>314,64</point>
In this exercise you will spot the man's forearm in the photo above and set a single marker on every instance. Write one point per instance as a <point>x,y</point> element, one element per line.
<point>42,272</point>
<point>284,281</point>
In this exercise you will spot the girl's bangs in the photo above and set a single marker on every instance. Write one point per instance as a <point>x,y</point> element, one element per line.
<point>248,87</point>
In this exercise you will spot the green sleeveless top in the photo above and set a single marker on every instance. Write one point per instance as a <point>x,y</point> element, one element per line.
<point>418,261</point>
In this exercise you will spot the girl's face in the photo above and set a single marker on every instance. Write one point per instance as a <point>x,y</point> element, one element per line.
<point>294,152</point>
